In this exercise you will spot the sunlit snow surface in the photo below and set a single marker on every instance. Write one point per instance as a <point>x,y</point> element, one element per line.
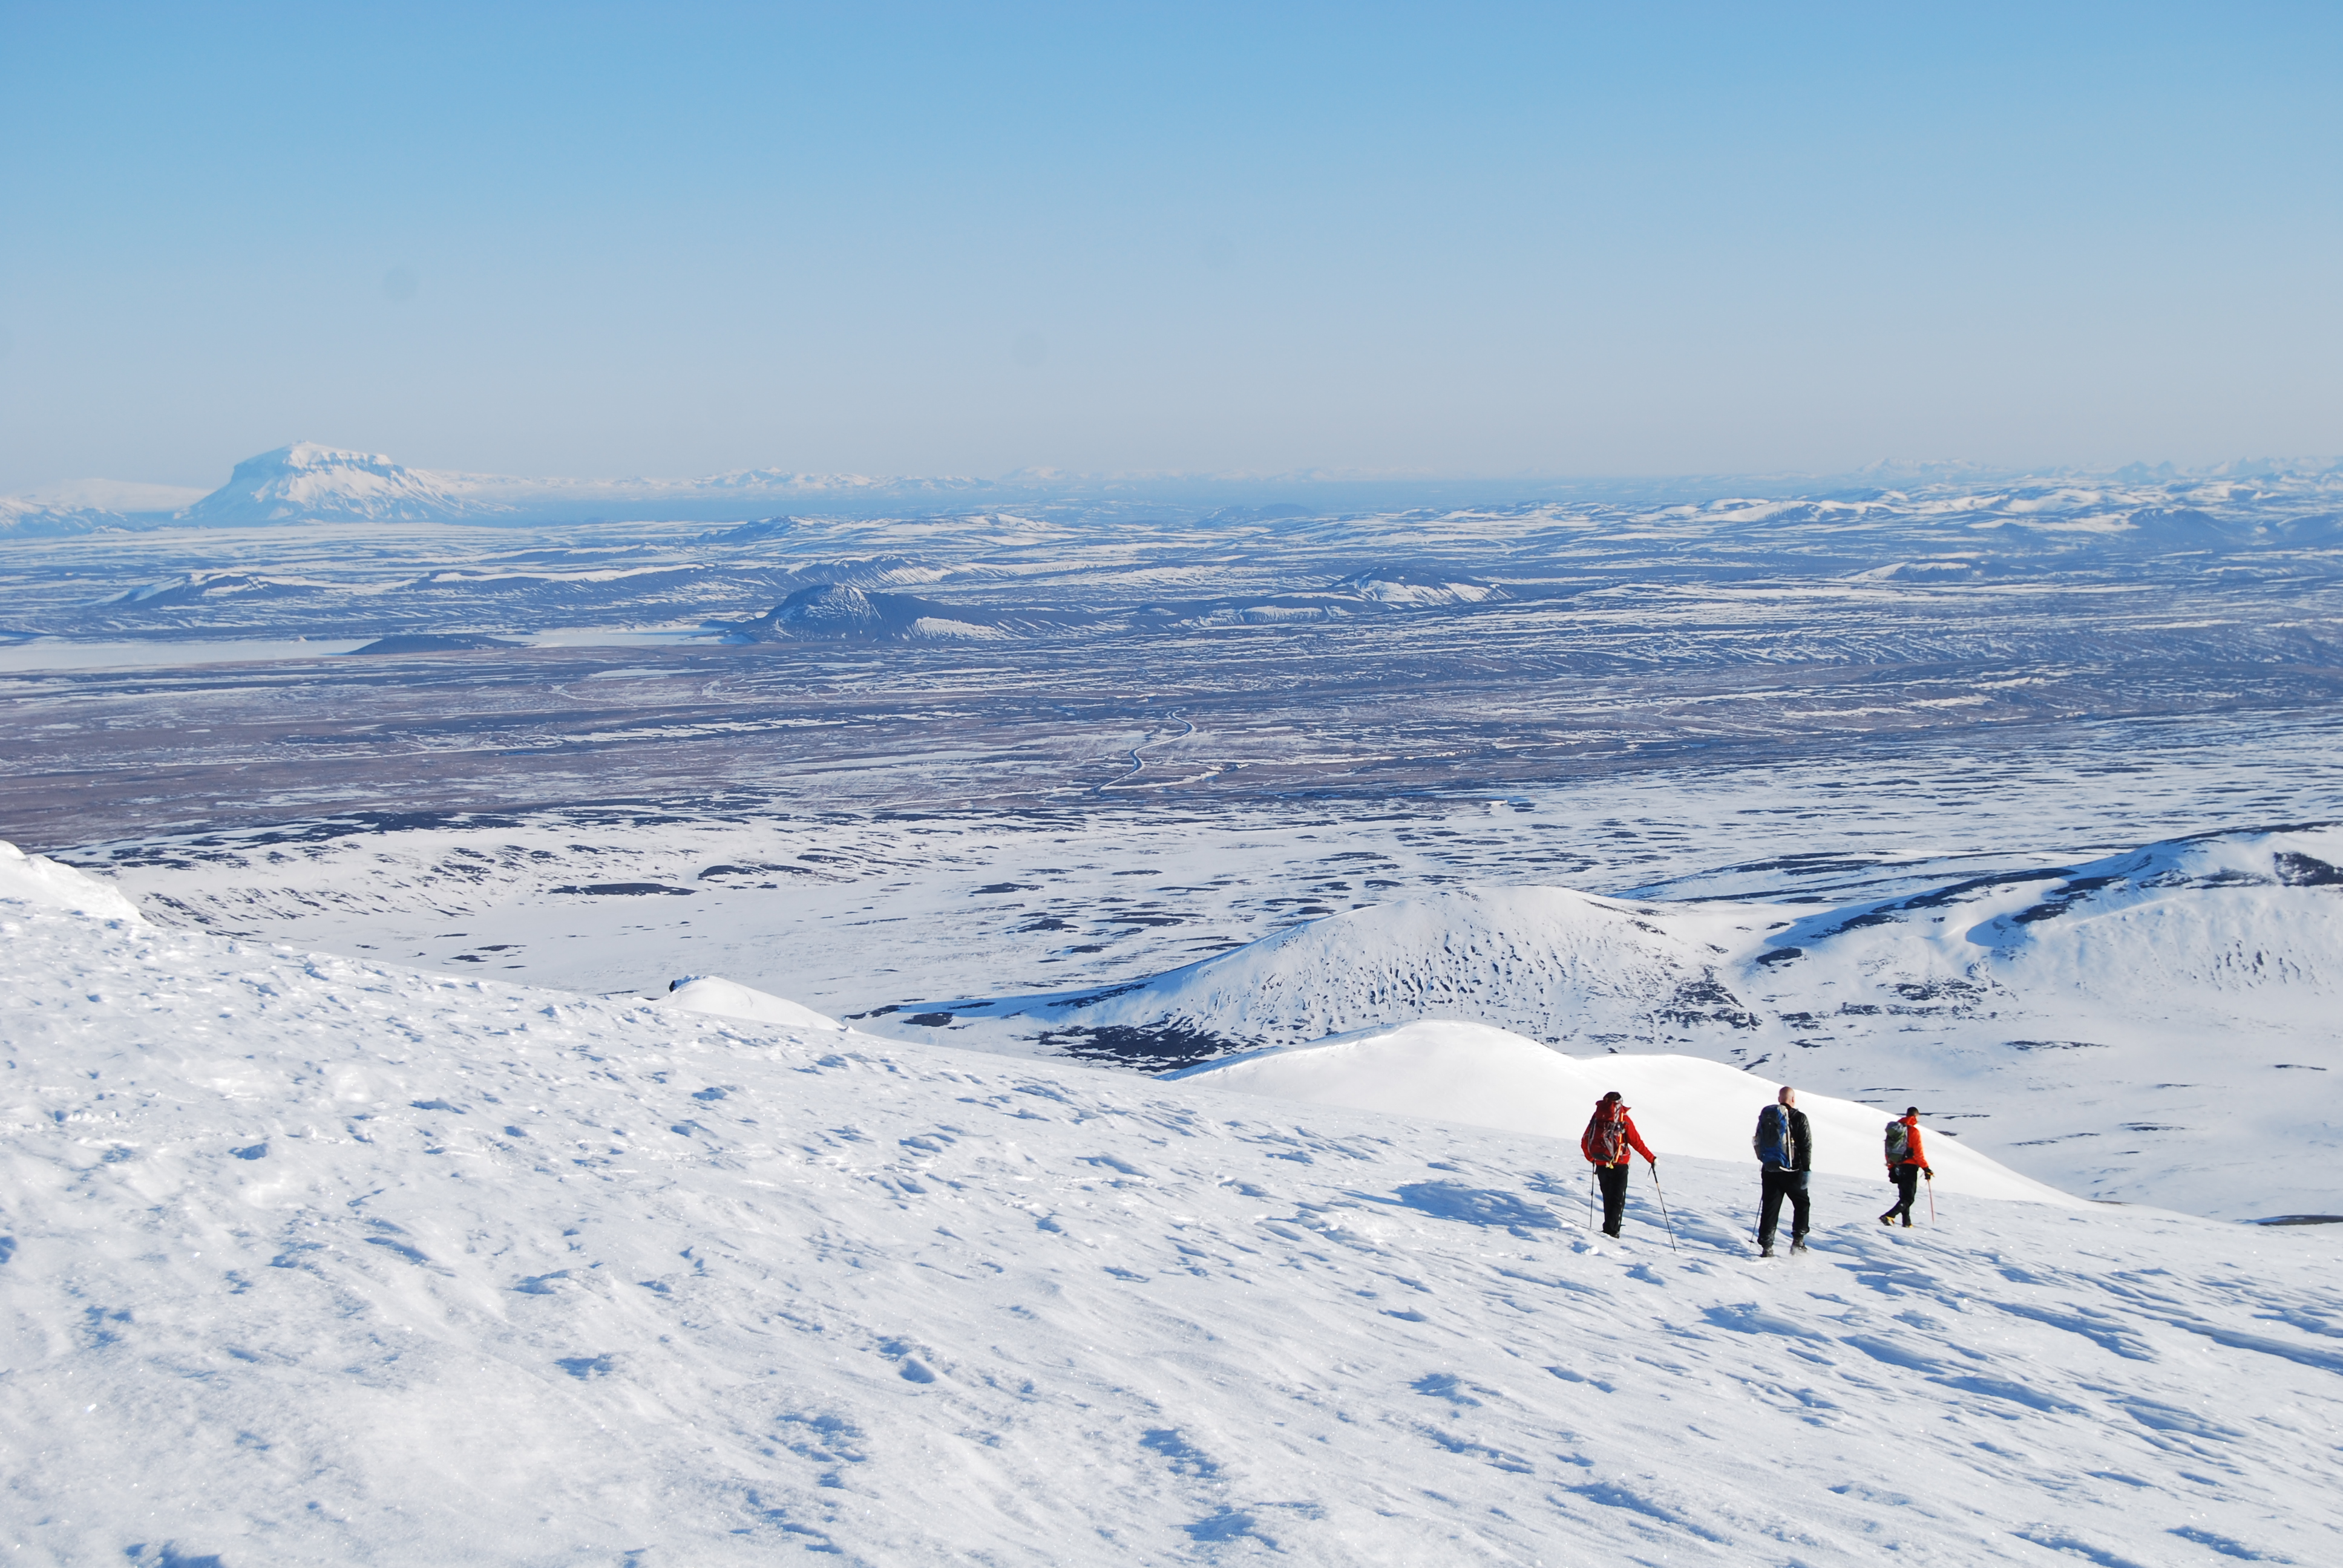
<point>315,1260</point>
<point>2014,801</point>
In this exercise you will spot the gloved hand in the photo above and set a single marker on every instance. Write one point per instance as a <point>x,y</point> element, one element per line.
<point>1931,1175</point>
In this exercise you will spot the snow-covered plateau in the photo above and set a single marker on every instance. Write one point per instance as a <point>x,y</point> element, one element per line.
<point>313,1260</point>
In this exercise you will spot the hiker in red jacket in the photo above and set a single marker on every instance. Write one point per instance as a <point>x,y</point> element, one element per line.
<point>1609,1134</point>
<point>1906,1163</point>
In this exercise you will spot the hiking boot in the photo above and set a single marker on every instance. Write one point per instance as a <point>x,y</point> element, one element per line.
<point>1766,1251</point>
<point>1889,1218</point>
<point>1798,1243</point>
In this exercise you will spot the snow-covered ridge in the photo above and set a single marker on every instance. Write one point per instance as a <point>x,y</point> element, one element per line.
<point>313,1260</point>
<point>36,881</point>
<point>838,611</point>
<point>722,997</point>
<point>1485,1077</point>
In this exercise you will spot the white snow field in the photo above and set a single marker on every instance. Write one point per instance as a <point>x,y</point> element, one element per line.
<point>1486,1077</point>
<point>311,1260</point>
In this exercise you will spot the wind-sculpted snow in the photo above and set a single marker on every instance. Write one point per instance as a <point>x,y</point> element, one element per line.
<point>309,1260</point>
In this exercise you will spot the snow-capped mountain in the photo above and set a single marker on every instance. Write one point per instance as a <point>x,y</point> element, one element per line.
<point>309,482</point>
<point>21,519</point>
<point>308,1258</point>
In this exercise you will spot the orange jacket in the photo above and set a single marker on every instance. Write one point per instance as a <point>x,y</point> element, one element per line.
<point>1913,1153</point>
<point>1618,1111</point>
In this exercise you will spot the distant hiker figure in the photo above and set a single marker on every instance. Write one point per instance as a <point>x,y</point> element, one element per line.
<point>1785,1153</point>
<point>1610,1134</point>
<point>1906,1163</point>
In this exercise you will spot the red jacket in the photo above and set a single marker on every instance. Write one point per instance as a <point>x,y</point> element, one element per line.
<point>1913,1153</point>
<point>1617,1111</point>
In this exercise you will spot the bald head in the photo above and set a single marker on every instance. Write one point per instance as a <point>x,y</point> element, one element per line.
<point>1788,1096</point>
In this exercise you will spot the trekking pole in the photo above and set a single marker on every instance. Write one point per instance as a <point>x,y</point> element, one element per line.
<point>1653,1166</point>
<point>1590,1197</point>
<point>1932,1199</point>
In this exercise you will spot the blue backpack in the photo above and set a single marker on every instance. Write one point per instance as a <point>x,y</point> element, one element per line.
<point>1771,1140</point>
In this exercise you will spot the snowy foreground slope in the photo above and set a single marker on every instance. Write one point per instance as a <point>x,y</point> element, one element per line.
<point>315,1260</point>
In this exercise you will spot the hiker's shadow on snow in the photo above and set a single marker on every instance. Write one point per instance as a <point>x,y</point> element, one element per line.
<point>1473,1205</point>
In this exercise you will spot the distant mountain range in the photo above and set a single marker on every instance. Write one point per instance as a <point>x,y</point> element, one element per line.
<point>305,482</point>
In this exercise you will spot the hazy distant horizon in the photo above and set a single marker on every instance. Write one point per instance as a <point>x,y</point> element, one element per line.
<point>148,497</point>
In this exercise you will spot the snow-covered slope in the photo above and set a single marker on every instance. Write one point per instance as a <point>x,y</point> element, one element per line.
<point>1415,588</point>
<point>316,1260</point>
<point>2192,938</point>
<point>729,999</point>
<point>22,517</point>
<point>1683,1105</point>
<point>1552,962</point>
<point>2155,1026</point>
<point>36,881</point>
<point>840,611</point>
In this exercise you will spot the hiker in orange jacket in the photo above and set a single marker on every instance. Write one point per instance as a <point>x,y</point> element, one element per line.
<point>1610,1133</point>
<point>1906,1171</point>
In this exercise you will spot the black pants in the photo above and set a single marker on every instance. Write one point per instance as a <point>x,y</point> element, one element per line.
<point>1615,1195</point>
<point>1779,1182</point>
<point>1907,1186</point>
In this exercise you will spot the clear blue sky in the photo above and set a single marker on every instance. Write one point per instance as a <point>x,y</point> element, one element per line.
<point>1442,239</point>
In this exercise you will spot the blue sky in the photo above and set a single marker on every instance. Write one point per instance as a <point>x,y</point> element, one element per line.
<point>1458,239</point>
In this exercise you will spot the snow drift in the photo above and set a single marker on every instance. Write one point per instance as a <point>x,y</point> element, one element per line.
<point>729,999</point>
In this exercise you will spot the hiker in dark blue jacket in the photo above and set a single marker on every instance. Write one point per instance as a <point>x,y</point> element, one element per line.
<point>1785,1153</point>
